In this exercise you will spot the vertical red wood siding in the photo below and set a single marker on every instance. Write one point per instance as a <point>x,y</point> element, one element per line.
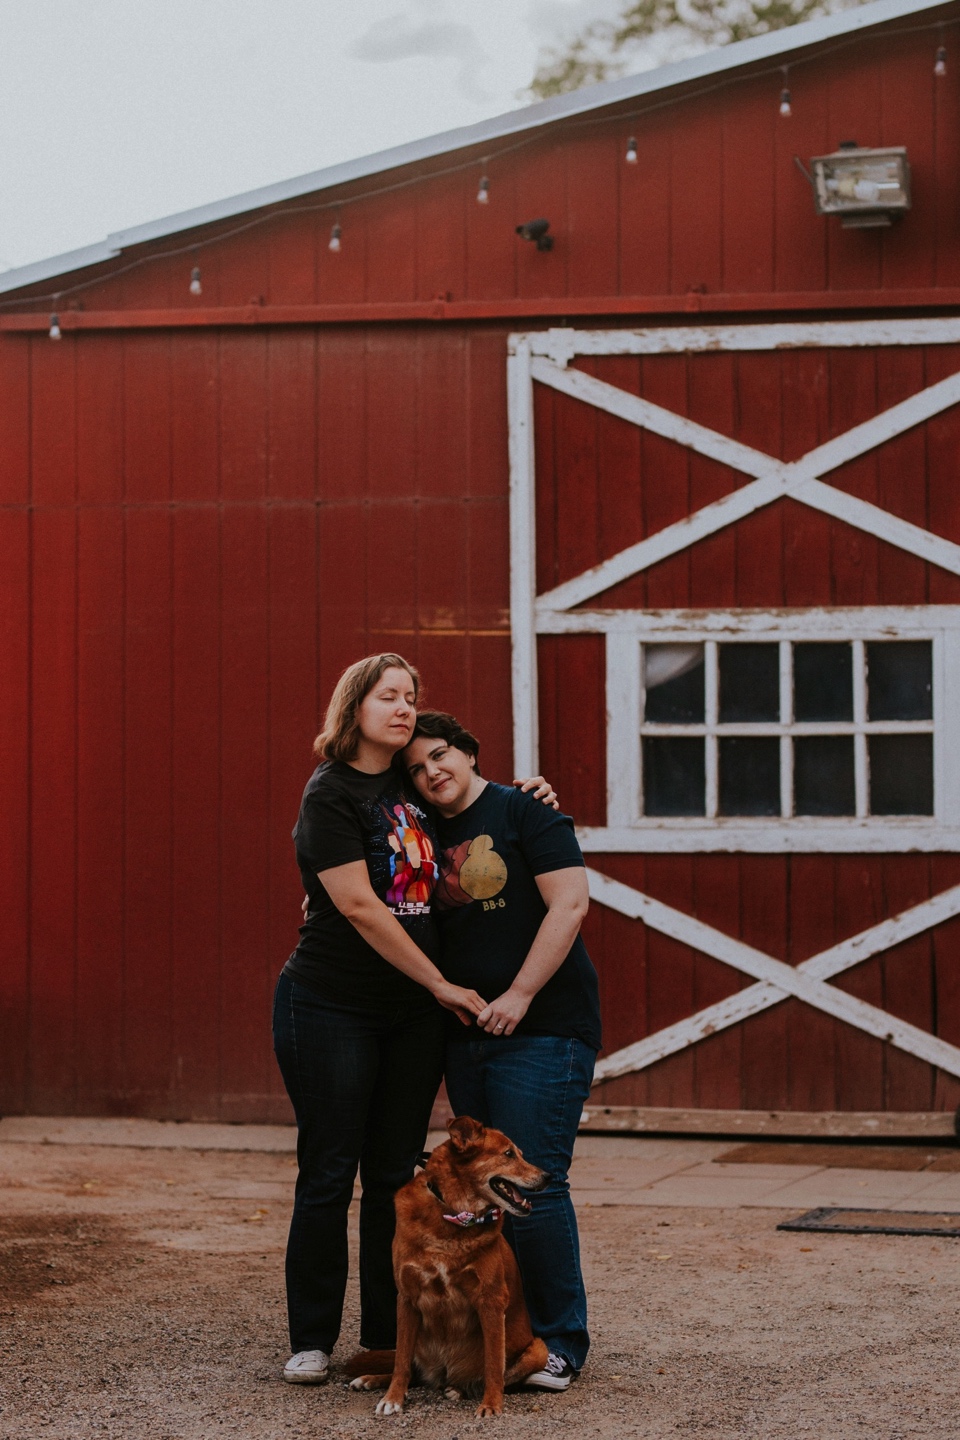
<point>192,553</point>
<point>200,527</point>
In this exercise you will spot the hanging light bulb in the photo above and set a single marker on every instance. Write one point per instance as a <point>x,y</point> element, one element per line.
<point>940,65</point>
<point>631,155</point>
<point>786,110</point>
<point>483,194</point>
<point>55,332</point>
<point>195,287</point>
<point>335,238</point>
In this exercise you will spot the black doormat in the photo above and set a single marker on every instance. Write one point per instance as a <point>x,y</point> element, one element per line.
<point>875,1222</point>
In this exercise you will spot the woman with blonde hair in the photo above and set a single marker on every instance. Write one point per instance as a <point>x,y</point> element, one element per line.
<point>358,1013</point>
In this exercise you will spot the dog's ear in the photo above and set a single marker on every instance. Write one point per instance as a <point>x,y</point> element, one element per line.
<point>465,1132</point>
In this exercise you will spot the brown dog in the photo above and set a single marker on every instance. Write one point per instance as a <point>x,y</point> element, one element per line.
<point>461,1318</point>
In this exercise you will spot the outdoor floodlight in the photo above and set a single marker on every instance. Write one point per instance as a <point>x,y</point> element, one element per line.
<point>536,230</point>
<point>865,188</point>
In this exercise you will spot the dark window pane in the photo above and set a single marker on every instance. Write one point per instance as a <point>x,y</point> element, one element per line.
<point>749,776</point>
<point>901,774</point>
<point>823,687</point>
<point>823,775</point>
<point>673,776</point>
<point>677,700</point>
<point>900,682</point>
<point>749,685</point>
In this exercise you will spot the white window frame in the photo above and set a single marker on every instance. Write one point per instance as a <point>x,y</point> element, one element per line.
<point>544,356</point>
<point>628,829</point>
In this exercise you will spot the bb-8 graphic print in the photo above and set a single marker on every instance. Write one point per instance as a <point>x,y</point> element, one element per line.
<point>472,871</point>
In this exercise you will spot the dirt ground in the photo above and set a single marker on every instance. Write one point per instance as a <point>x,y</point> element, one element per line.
<point>141,1295</point>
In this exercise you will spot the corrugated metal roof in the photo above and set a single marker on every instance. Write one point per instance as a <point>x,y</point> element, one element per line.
<point>514,122</point>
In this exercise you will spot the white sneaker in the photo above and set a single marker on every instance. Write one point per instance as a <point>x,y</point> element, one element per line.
<point>307,1367</point>
<point>555,1375</point>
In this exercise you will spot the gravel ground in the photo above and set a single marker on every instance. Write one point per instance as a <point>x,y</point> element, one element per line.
<point>141,1296</point>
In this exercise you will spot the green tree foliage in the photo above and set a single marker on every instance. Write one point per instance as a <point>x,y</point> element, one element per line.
<point>603,50</point>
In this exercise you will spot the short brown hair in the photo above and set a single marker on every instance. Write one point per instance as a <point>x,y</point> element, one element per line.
<point>340,736</point>
<point>438,725</point>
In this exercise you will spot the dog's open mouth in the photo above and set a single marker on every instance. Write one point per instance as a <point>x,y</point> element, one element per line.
<point>510,1194</point>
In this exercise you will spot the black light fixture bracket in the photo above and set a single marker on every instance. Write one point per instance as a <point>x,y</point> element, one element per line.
<point>536,230</point>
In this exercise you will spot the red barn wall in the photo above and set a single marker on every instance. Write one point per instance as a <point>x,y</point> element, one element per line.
<point>209,528</point>
<point>206,514</point>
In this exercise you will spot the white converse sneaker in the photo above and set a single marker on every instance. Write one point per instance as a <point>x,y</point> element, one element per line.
<point>307,1367</point>
<point>555,1375</point>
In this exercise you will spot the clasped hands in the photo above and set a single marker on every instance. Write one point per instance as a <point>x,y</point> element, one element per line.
<point>499,1017</point>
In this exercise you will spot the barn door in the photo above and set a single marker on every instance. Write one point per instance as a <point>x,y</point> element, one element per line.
<point>736,643</point>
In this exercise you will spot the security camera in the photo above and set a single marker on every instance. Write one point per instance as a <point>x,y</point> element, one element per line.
<point>536,230</point>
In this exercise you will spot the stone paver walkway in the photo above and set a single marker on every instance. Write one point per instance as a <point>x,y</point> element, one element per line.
<point>607,1169</point>
<point>641,1170</point>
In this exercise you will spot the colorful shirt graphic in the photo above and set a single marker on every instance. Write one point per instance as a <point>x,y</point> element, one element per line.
<point>345,816</point>
<point>413,869</point>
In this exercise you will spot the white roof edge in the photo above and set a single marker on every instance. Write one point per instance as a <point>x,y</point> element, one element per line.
<point>513,122</point>
<point>58,265</point>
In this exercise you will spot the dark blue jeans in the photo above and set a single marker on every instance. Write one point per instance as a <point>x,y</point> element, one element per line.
<point>362,1087</point>
<point>533,1088</point>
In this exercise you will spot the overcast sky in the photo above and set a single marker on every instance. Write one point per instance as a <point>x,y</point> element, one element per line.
<point>114,112</point>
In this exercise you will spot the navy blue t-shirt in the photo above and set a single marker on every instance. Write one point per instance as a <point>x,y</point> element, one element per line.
<point>490,909</point>
<point>347,815</point>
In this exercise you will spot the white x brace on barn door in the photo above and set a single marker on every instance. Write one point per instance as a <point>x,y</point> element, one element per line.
<point>544,357</point>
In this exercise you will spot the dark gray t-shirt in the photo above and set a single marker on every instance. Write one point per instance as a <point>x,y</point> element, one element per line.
<point>490,909</point>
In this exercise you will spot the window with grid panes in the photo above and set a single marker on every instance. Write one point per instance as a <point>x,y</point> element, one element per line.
<point>787,728</point>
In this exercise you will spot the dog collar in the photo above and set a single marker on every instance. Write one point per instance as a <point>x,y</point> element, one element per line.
<point>466,1218</point>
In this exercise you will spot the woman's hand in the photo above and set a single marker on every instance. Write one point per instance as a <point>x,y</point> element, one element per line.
<point>542,790</point>
<point>465,1004</point>
<point>503,1015</point>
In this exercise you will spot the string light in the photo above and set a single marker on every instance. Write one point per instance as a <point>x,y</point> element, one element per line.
<point>940,65</point>
<point>55,332</point>
<point>195,287</point>
<point>335,234</point>
<point>786,109</point>
<point>483,194</point>
<point>631,155</point>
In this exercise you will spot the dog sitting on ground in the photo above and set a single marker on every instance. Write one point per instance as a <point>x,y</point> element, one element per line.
<point>462,1323</point>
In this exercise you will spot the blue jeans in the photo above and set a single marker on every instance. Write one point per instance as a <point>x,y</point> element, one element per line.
<point>533,1088</point>
<point>362,1087</point>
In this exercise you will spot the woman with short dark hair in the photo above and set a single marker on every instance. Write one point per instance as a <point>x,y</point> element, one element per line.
<point>511,897</point>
